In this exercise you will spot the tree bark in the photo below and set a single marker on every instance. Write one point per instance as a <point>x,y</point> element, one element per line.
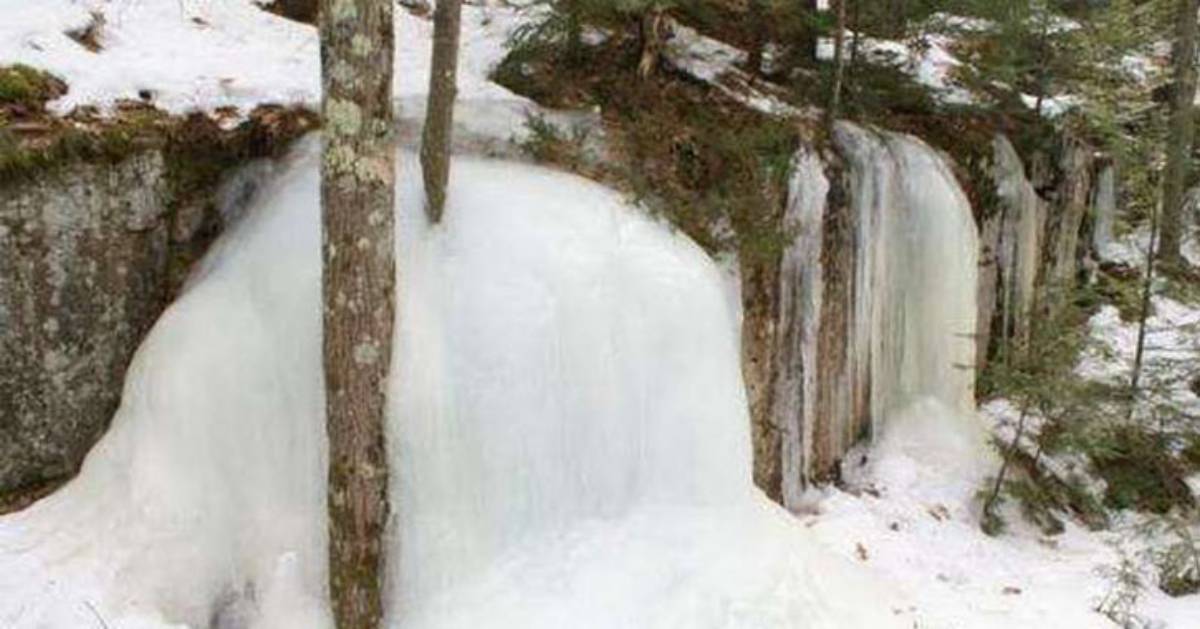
<point>839,63</point>
<point>439,112</point>
<point>299,10</point>
<point>358,283</point>
<point>1144,313</point>
<point>1180,137</point>
<point>652,30</point>
<point>756,20</point>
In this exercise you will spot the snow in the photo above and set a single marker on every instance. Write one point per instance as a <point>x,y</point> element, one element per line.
<point>927,60</point>
<point>1129,249</point>
<point>718,64</point>
<point>911,518</point>
<point>1171,344</point>
<point>208,54</point>
<point>569,426</point>
<point>1052,106</point>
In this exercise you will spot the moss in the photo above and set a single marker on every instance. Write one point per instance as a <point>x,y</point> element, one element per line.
<point>708,165</point>
<point>1191,454</point>
<point>1122,288</point>
<point>21,85</point>
<point>18,163</point>
<point>1141,470</point>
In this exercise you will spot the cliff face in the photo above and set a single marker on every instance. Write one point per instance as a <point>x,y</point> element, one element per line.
<point>892,287</point>
<point>99,227</point>
<point>84,274</point>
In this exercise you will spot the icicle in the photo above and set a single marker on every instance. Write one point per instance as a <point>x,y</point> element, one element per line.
<point>1021,235</point>
<point>800,311</point>
<point>1104,211</point>
<point>880,294</point>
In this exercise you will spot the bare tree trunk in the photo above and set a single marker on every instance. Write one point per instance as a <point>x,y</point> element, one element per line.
<point>439,112</point>
<point>1147,288</point>
<point>991,522</point>
<point>808,41</point>
<point>1182,131</point>
<point>756,20</point>
<point>299,10</point>
<point>855,39</point>
<point>358,284</point>
<point>839,63</point>
<point>652,30</point>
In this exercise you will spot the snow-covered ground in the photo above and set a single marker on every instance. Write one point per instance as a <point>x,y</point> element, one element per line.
<point>927,60</point>
<point>915,524</point>
<point>205,54</point>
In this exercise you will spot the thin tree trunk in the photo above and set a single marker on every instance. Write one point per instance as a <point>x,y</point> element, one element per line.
<point>856,38</point>
<point>300,10</point>
<point>1147,287</point>
<point>990,520</point>
<point>358,283</point>
<point>1180,137</point>
<point>439,112</point>
<point>839,63</point>
<point>652,31</point>
<point>809,36</point>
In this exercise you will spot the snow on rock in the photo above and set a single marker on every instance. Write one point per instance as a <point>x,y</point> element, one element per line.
<point>188,55</point>
<point>720,65</point>
<point>927,60</point>
<point>569,424</point>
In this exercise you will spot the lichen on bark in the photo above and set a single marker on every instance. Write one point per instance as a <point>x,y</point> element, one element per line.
<point>358,283</point>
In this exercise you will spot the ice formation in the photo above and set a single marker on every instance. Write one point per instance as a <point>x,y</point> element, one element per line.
<point>1021,238</point>
<point>878,303</point>
<point>1104,211</point>
<point>569,434</point>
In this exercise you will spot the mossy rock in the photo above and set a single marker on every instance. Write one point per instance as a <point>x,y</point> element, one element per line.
<point>26,87</point>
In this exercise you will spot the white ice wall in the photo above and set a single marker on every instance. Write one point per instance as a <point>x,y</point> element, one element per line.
<point>569,433</point>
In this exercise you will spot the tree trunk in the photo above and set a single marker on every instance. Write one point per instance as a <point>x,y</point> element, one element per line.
<point>809,36</point>
<point>299,10</point>
<point>1179,139</point>
<point>652,30</point>
<point>756,21</point>
<point>839,63</point>
<point>439,112</point>
<point>358,283</point>
<point>1144,313</point>
<point>991,523</point>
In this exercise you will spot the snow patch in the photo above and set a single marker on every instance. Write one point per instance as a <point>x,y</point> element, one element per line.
<point>207,54</point>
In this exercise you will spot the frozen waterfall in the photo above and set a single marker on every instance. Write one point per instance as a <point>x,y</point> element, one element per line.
<point>878,309</point>
<point>568,424</point>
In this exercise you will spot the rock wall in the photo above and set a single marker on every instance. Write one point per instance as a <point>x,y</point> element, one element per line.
<point>877,222</point>
<point>1073,200</point>
<point>90,255</point>
<point>875,304</point>
<point>1018,231</point>
<point>95,239</point>
<point>84,273</point>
